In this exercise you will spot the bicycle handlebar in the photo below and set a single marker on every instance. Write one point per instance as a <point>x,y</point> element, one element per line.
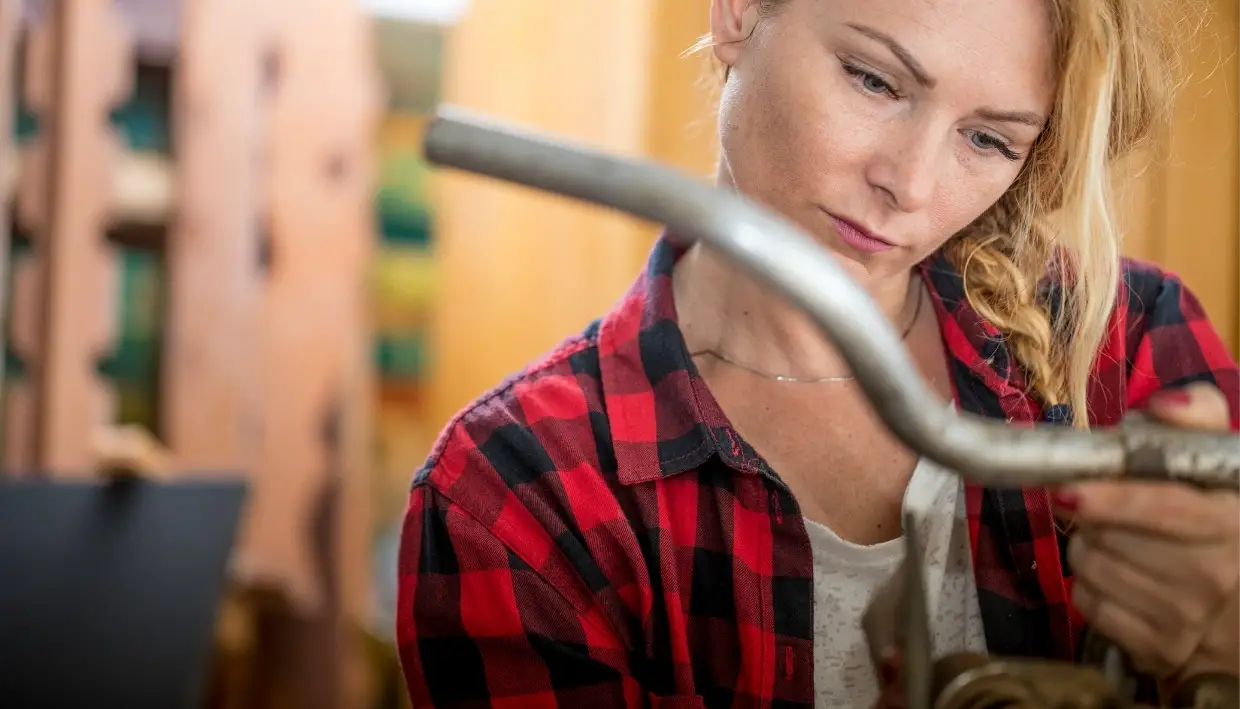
<point>984,451</point>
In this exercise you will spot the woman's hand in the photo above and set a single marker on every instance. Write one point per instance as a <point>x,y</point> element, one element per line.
<point>1157,565</point>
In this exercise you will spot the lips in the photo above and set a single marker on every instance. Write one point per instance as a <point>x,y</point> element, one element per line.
<point>858,237</point>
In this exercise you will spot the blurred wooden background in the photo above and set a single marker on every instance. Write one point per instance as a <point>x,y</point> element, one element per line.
<point>275,210</point>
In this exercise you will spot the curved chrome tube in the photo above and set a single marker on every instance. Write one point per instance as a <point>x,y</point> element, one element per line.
<point>771,249</point>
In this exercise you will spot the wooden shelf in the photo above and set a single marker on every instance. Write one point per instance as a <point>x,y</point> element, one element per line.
<point>144,187</point>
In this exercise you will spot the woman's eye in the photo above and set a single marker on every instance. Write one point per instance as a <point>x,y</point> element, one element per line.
<point>870,82</point>
<point>986,142</point>
<point>874,85</point>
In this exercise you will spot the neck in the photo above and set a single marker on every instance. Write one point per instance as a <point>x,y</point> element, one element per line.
<point>723,310</point>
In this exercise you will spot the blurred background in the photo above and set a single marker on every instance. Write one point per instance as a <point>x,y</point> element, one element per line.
<point>222,234</point>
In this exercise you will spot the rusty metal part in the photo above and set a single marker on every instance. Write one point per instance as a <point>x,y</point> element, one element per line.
<point>971,681</point>
<point>1212,691</point>
<point>917,644</point>
<point>788,260</point>
<point>966,680</point>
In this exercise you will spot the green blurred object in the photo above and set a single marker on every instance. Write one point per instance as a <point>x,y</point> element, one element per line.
<point>401,357</point>
<point>401,222</point>
<point>25,124</point>
<point>133,366</point>
<point>18,249</point>
<point>144,120</point>
<point>402,274</point>
<point>403,215</point>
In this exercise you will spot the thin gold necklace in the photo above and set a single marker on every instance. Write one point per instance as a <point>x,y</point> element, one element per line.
<point>797,380</point>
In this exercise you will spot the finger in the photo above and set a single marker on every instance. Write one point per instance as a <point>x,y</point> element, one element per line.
<point>1198,405</point>
<point>1173,510</point>
<point>1156,556</point>
<point>1149,651</point>
<point>1147,594</point>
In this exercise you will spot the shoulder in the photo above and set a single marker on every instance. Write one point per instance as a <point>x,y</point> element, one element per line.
<point>534,452</point>
<point>509,426</point>
<point>1146,287</point>
<point>1155,303</point>
<point>499,522</point>
<point>1162,338</point>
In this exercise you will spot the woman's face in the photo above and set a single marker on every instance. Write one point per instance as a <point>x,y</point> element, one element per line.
<point>882,126</point>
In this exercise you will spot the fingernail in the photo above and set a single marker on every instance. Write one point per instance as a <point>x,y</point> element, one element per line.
<point>1065,500</point>
<point>1172,397</point>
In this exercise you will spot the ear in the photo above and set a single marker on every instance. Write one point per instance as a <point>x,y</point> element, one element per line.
<point>731,23</point>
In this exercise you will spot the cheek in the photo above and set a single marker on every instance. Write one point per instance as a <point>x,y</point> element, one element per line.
<point>964,197</point>
<point>783,141</point>
<point>754,134</point>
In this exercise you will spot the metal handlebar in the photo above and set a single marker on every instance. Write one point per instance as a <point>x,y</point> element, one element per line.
<point>982,450</point>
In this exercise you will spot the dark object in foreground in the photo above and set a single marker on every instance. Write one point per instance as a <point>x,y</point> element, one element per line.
<point>109,589</point>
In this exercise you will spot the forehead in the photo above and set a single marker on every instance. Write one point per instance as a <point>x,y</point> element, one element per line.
<point>962,43</point>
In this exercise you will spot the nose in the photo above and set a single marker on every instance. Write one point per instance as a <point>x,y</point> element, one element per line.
<point>907,170</point>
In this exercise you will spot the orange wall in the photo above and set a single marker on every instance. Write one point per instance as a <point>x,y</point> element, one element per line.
<point>1182,211</point>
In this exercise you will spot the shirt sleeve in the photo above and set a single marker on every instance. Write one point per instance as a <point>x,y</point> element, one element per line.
<point>1172,344</point>
<point>478,626</point>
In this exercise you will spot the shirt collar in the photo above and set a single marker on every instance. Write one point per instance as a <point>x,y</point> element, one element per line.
<point>969,338</point>
<point>660,411</point>
<point>664,419</point>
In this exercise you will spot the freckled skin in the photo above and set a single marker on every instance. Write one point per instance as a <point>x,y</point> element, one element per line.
<point>800,133</point>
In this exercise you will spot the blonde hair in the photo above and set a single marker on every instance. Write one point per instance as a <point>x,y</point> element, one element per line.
<point>1056,224</point>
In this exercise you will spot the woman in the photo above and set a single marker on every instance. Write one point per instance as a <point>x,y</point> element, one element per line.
<point>690,503</point>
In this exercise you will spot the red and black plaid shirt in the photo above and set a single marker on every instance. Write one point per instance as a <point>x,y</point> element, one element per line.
<point>594,533</point>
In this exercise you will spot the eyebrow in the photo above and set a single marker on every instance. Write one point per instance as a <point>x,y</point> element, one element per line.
<point>914,67</point>
<point>1029,118</point>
